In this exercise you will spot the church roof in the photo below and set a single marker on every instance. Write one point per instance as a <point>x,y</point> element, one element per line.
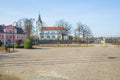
<point>51,28</point>
<point>39,19</point>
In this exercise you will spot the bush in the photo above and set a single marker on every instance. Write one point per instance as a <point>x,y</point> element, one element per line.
<point>18,42</point>
<point>19,46</point>
<point>0,43</point>
<point>28,44</point>
<point>9,46</point>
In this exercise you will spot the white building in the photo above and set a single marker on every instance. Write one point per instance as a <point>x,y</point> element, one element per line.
<point>48,33</point>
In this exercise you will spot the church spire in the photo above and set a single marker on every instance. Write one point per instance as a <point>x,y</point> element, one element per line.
<point>39,19</point>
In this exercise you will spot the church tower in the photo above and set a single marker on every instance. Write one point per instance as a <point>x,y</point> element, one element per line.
<point>39,25</point>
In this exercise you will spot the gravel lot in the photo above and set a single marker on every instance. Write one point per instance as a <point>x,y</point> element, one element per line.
<point>92,63</point>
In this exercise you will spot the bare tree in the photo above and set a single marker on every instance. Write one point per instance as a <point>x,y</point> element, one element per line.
<point>75,35</point>
<point>79,29</point>
<point>64,26</point>
<point>83,30</point>
<point>27,25</point>
<point>86,32</point>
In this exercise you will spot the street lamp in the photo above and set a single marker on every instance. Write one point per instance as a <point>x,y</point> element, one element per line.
<point>14,24</point>
<point>4,34</point>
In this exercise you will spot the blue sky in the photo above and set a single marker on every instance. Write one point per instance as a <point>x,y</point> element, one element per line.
<point>102,16</point>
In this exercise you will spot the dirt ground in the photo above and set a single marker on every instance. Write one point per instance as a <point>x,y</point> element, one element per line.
<point>92,63</point>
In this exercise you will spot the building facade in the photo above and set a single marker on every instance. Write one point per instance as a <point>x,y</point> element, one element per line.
<point>48,33</point>
<point>9,34</point>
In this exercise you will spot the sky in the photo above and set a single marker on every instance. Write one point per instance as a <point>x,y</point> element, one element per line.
<point>102,16</point>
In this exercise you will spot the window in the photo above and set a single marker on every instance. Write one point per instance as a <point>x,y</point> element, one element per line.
<point>53,33</point>
<point>41,33</point>
<point>42,36</point>
<point>10,37</point>
<point>48,36</point>
<point>10,31</point>
<point>53,36</point>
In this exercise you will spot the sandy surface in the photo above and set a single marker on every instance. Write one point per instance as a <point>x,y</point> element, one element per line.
<point>95,63</point>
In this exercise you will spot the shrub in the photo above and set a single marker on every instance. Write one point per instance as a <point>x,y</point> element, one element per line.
<point>18,42</point>
<point>9,45</point>
<point>19,46</point>
<point>28,44</point>
<point>0,43</point>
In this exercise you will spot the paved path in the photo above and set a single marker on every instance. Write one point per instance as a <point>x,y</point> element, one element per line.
<point>63,64</point>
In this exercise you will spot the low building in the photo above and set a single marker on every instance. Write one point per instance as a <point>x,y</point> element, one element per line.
<point>51,33</point>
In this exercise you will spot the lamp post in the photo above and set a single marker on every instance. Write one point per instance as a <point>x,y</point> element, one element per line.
<point>4,34</point>
<point>13,38</point>
<point>14,24</point>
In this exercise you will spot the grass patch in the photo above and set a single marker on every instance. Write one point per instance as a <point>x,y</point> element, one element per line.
<point>2,50</point>
<point>118,46</point>
<point>10,50</point>
<point>8,77</point>
<point>104,46</point>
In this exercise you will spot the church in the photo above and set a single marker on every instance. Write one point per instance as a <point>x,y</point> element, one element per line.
<point>48,33</point>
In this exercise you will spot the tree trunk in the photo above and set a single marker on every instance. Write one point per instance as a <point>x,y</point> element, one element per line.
<point>62,37</point>
<point>83,36</point>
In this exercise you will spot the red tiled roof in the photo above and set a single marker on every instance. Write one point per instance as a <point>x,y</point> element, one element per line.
<point>51,28</point>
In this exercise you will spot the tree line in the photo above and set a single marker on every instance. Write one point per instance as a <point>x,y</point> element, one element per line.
<point>81,32</point>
